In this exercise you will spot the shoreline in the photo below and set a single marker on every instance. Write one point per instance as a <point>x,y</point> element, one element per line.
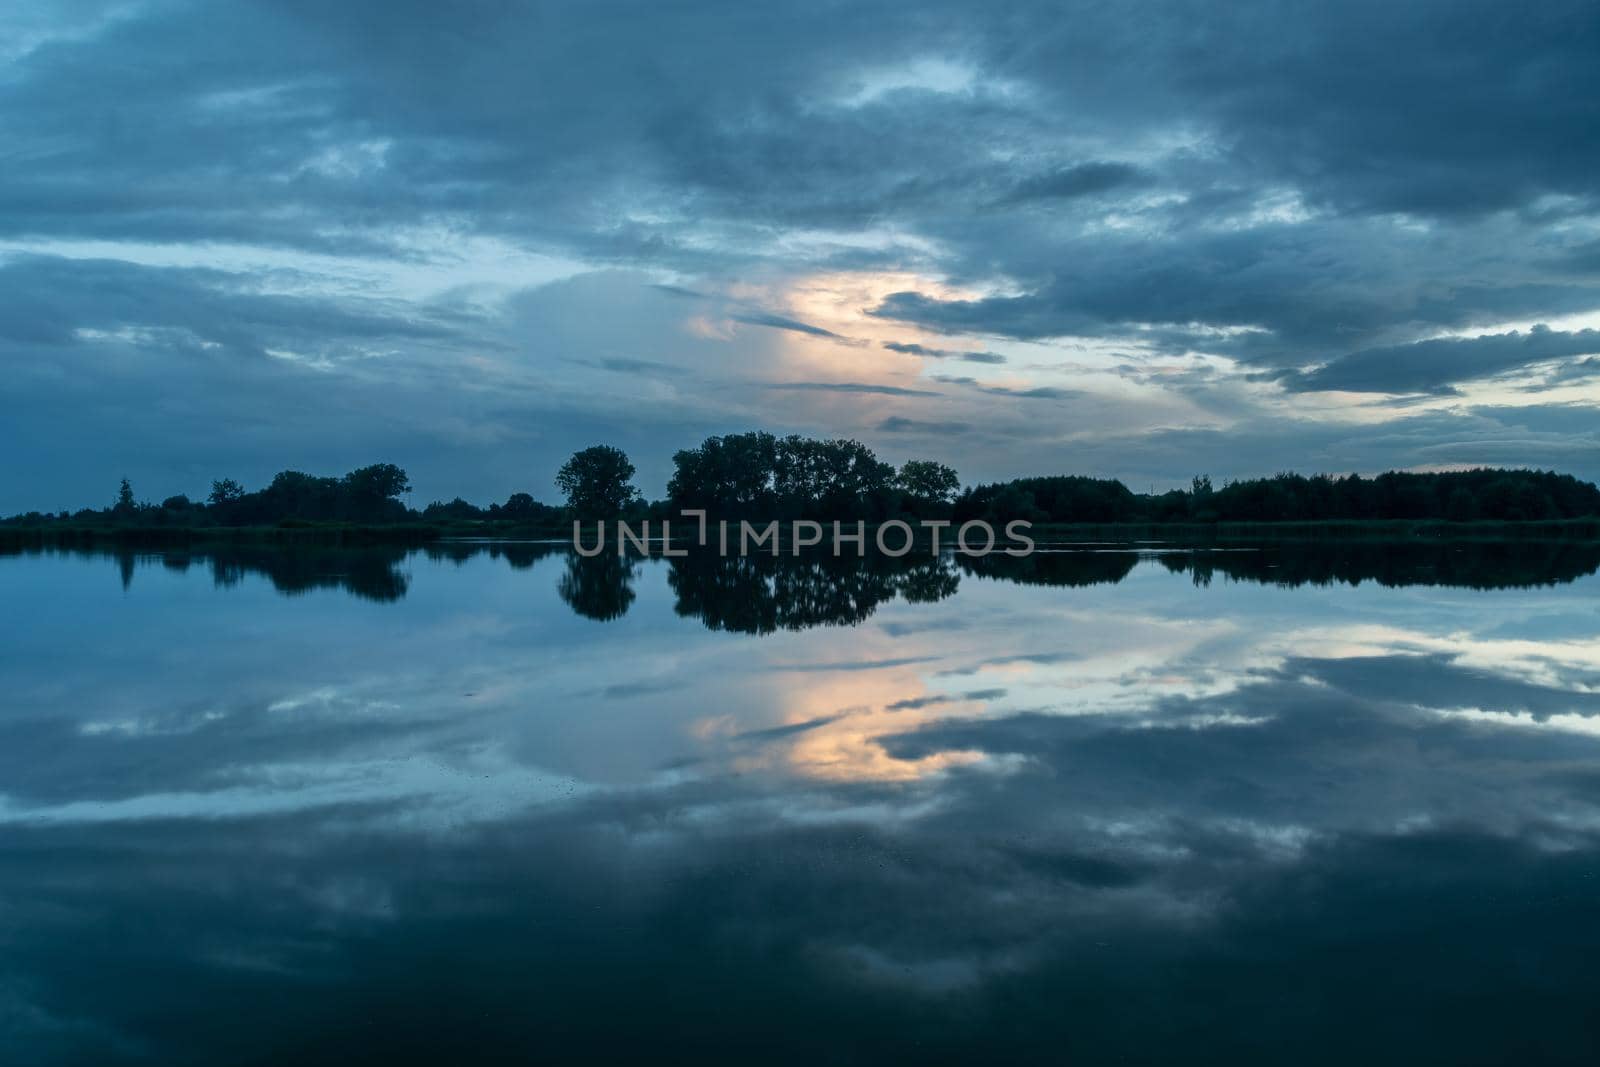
<point>356,535</point>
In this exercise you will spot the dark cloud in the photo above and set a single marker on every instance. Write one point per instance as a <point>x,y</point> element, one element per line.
<point>1430,366</point>
<point>639,366</point>
<point>944,353</point>
<point>1289,293</point>
<point>1579,370</point>
<point>1038,392</point>
<point>50,300</point>
<point>1083,179</point>
<point>779,322</point>
<point>521,121</point>
<point>936,427</point>
<point>679,290</point>
<point>633,690</point>
<point>780,733</point>
<point>853,387</point>
<point>853,665</point>
<point>1037,658</point>
<point>913,703</point>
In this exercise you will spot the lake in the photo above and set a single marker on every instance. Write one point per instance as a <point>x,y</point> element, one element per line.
<point>496,803</point>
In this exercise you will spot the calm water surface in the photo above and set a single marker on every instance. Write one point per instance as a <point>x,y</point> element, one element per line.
<point>497,804</point>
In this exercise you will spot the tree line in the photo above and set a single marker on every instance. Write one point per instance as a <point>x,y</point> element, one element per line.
<point>758,475</point>
<point>1451,496</point>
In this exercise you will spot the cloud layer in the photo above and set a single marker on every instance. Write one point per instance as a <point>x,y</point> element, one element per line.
<point>346,233</point>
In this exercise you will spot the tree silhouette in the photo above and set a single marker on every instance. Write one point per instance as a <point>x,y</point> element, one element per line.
<point>596,482</point>
<point>927,482</point>
<point>519,506</point>
<point>225,491</point>
<point>372,493</point>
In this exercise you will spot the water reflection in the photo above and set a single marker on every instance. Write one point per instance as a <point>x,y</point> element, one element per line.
<point>599,588</point>
<point>762,593</point>
<point>1079,809</point>
<point>1468,564</point>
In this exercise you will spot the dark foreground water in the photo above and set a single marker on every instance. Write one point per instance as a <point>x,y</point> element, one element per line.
<point>497,804</point>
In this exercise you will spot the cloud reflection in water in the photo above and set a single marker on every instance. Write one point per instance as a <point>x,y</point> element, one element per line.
<point>1085,808</point>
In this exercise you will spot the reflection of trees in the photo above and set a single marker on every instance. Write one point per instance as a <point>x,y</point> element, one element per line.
<point>522,555</point>
<point>1467,564</point>
<point>930,583</point>
<point>519,554</point>
<point>598,587</point>
<point>1045,567</point>
<point>762,594</point>
<point>372,573</point>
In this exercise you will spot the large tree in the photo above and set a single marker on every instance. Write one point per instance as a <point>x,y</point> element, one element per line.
<point>928,482</point>
<point>373,492</point>
<point>730,475</point>
<point>830,479</point>
<point>225,491</point>
<point>597,482</point>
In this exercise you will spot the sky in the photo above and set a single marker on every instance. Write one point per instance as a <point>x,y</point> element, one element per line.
<point>1140,240</point>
